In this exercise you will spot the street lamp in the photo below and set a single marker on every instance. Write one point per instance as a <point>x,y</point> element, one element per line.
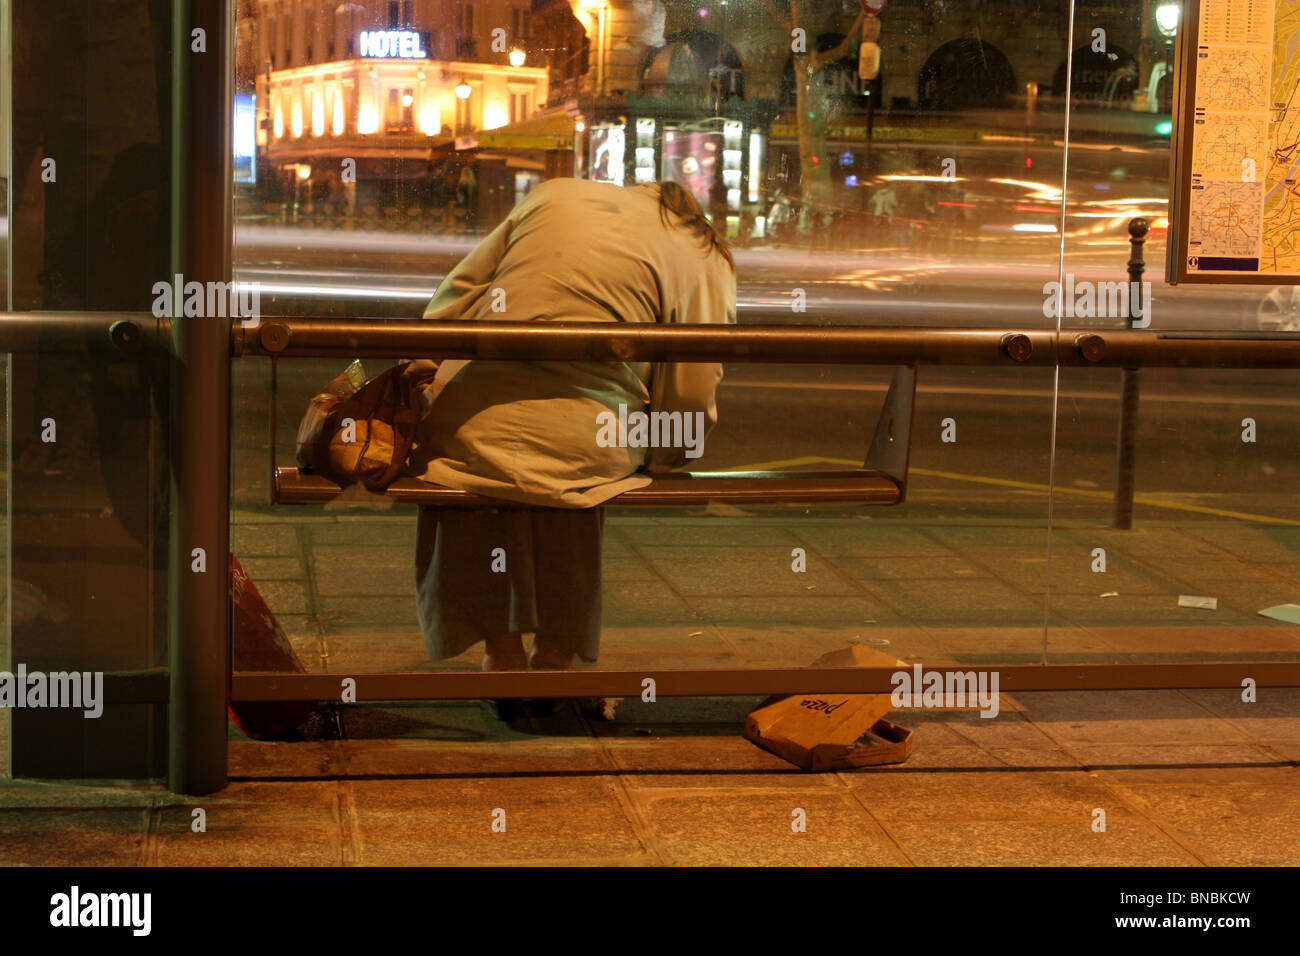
<point>463,89</point>
<point>517,57</point>
<point>1167,18</point>
<point>1167,24</point>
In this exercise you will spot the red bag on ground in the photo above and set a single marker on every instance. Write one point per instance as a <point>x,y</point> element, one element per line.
<point>258,643</point>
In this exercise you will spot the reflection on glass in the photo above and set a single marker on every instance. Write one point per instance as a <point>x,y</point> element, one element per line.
<point>1212,542</point>
<point>869,166</point>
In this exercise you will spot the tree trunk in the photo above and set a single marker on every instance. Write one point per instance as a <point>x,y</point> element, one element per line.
<point>810,116</point>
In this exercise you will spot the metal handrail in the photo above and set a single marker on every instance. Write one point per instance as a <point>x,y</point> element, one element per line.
<point>327,336</point>
<point>756,681</point>
<point>319,336</point>
<point>77,332</point>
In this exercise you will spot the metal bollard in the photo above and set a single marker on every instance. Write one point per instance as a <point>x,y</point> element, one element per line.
<point>1130,383</point>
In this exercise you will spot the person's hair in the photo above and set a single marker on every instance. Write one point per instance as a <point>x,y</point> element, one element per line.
<point>676,199</point>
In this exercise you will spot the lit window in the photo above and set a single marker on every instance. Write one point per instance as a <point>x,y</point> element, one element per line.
<point>338,114</point>
<point>518,107</point>
<point>464,114</point>
<point>399,116</point>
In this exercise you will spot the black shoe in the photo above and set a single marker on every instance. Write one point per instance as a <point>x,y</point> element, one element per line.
<point>545,706</point>
<point>512,709</point>
<point>506,710</point>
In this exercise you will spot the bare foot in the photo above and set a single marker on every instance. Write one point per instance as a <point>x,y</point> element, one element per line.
<point>505,654</point>
<point>546,656</point>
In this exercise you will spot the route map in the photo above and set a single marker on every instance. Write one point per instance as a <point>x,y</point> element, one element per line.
<point>1226,79</point>
<point>1243,200</point>
<point>1226,219</point>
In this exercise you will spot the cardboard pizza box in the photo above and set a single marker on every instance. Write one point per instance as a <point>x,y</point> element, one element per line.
<point>833,731</point>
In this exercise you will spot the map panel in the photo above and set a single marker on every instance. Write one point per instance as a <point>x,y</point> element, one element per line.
<point>1225,219</point>
<point>1280,251</point>
<point>1242,202</point>
<point>1226,142</point>
<point>1228,79</point>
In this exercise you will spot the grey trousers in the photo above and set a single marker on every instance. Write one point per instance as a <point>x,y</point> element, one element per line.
<point>483,573</point>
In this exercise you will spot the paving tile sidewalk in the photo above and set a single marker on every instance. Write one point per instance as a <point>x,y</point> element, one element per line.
<point>1183,778</point>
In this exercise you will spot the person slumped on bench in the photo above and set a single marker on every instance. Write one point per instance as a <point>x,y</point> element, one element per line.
<point>560,437</point>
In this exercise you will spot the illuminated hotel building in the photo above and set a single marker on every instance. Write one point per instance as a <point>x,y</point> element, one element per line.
<point>517,90</point>
<point>381,81</point>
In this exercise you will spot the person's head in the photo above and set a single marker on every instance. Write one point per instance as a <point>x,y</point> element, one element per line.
<point>675,200</point>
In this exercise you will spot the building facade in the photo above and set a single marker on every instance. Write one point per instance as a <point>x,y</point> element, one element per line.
<point>359,91</point>
<point>428,102</point>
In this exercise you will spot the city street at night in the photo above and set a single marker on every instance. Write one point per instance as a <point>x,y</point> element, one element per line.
<point>790,436</point>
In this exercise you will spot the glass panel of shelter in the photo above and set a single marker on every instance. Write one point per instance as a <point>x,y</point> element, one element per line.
<point>870,166</point>
<point>1181,569</point>
<point>85,230</point>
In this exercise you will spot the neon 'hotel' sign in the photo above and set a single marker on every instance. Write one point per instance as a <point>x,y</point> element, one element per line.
<point>399,44</point>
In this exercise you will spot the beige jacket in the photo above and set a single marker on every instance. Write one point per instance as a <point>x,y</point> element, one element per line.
<point>553,433</point>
